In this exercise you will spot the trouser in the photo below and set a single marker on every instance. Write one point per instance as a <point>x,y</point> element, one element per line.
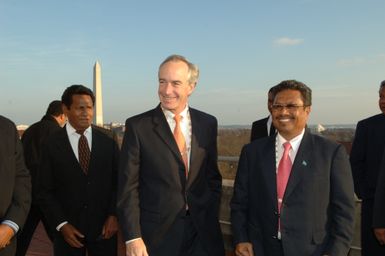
<point>369,244</point>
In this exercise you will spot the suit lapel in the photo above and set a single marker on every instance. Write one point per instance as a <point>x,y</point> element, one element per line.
<point>301,163</point>
<point>162,129</point>
<point>63,143</point>
<point>197,152</point>
<point>95,147</point>
<point>269,166</point>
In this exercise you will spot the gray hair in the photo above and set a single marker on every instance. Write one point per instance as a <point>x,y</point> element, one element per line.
<point>193,70</point>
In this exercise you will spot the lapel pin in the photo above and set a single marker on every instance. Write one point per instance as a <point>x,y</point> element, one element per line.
<point>304,163</point>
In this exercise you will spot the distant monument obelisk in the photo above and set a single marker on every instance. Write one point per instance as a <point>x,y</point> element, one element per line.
<point>98,115</point>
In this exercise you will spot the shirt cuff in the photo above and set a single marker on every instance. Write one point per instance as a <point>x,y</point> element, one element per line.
<point>132,240</point>
<point>12,225</point>
<point>61,225</point>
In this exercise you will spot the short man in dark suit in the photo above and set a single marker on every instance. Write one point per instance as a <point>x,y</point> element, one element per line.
<point>168,190</point>
<point>32,140</point>
<point>264,127</point>
<point>365,158</point>
<point>293,192</point>
<point>15,187</point>
<point>77,179</point>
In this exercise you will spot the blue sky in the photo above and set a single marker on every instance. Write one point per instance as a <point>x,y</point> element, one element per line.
<point>243,48</point>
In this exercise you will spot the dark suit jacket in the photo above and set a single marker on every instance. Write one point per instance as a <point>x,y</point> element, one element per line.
<point>65,193</point>
<point>365,156</point>
<point>152,188</point>
<point>15,182</point>
<point>259,129</point>
<point>318,206</point>
<point>379,199</point>
<point>32,140</point>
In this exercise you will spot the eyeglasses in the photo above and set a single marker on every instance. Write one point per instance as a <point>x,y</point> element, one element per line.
<point>289,107</point>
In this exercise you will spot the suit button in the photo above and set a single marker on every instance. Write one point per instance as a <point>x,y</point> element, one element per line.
<point>85,206</point>
<point>275,213</point>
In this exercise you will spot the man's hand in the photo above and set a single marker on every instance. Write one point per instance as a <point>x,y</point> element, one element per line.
<point>110,227</point>
<point>380,235</point>
<point>136,248</point>
<point>244,249</point>
<point>6,234</point>
<point>71,235</point>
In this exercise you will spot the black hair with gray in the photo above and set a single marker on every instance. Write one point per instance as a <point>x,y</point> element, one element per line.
<point>295,85</point>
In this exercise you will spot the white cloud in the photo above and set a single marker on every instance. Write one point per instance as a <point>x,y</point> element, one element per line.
<point>286,41</point>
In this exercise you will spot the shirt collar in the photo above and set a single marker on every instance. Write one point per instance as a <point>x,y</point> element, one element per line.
<point>71,130</point>
<point>294,142</point>
<point>170,115</point>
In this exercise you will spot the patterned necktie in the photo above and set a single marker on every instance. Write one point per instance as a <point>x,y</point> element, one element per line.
<point>284,169</point>
<point>180,141</point>
<point>84,152</point>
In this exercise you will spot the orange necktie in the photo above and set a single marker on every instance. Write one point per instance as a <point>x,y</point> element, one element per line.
<point>180,141</point>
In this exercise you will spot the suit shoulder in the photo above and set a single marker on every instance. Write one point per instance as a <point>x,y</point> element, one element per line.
<point>324,142</point>
<point>7,123</point>
<point>259,143</point>
<point>203,115</point>
<point>260,121</point>
<point>373,120</point>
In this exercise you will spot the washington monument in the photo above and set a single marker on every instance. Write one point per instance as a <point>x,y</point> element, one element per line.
<point>98,117</point>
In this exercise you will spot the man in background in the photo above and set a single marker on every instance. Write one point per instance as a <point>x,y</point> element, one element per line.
<point>15,187</point>
<point>293,192</point>
<point>264,127</point>
<point>365,159</point>
<point>169,184</point>
<point>77,179</point>
<point>32,140</point>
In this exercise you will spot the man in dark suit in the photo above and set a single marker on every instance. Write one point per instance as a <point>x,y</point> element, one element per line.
<point>264,127</point>
<point>32,140</point>
<point>293,193</point>
<point>365,159</point>
<point>77,179</point>
<point>168,190</point>
<point>15,187</point>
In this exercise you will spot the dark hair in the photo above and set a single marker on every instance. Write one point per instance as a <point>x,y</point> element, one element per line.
<point>295,85</point>
<point>382,84</point>
<point>66,98</point>
<point>54,108</point>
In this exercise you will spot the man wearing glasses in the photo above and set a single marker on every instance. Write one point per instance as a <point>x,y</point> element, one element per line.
<point>293,194</point>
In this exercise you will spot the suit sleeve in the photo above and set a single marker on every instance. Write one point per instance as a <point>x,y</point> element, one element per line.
<point>341,204</point>
<point>115,166</point>
<point>379,199</point>
<point>357,157</point>
<point>21,197</point>
<point>128,184</point>
<point>240,204</point>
